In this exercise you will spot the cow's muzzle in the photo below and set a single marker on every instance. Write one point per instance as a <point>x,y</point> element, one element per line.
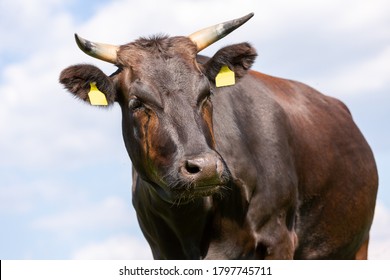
<point>203,175</point>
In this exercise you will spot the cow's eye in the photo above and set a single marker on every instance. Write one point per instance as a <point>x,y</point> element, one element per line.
<point>205,98</point>
<point>135,104</point>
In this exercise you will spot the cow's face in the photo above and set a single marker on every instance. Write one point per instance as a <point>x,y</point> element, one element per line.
<point>166,101</point>
<point>167,118</point>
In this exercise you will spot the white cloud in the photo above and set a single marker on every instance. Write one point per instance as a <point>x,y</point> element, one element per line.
<point>110,213</point>
<point>119,247</point>
<point>367,16</point>
<point>24,198</point>
<point>360,77</point>
<point>25,25</point>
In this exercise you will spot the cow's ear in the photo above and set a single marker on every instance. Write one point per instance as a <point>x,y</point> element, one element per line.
<point>80,79</point>
<point>239,58</point>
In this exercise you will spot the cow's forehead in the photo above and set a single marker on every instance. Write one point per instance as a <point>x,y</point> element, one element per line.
<point>167,64</point>
<point>154,49</point>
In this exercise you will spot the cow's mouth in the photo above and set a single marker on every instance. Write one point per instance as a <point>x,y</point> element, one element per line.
<point>206,190</point>
<point>188,195</point>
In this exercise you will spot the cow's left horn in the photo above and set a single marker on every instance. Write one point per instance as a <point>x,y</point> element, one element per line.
<point>207,36</point>
<point>100,51</point>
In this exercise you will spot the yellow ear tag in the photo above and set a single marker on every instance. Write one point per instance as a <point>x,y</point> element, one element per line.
<point>225,77</point>
<point>96,97</point>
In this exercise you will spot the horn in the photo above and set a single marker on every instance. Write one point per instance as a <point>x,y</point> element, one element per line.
<point>207,36</point>
<point>98,50</point>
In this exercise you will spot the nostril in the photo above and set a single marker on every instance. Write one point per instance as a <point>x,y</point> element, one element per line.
<point>192,167</point>
<point>203,170</point>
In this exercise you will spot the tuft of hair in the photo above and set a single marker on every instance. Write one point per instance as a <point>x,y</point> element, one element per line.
<point>160,45</point>
<point>156,41</point>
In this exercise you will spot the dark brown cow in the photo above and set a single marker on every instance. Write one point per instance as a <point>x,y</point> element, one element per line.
<point>266,168</point>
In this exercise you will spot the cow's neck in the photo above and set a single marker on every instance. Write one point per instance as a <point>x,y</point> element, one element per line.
<point>177,231</point>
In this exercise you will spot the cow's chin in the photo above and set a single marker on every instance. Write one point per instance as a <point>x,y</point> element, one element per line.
<point>188,195</point>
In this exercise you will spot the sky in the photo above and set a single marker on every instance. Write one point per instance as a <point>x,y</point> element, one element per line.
<point>65,188</point>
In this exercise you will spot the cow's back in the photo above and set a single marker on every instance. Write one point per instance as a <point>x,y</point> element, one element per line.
<point>267,127</point>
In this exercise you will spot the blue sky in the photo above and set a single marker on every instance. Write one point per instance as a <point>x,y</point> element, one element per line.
<point>66,177</point>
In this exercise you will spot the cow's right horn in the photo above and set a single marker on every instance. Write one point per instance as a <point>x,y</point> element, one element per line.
<point>207,36</point>
<point>100,51</point>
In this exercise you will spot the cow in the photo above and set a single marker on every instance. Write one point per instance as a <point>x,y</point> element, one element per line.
<point>257,167</point>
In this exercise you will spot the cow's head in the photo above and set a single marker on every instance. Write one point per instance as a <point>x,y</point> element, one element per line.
<point>165,95</point>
